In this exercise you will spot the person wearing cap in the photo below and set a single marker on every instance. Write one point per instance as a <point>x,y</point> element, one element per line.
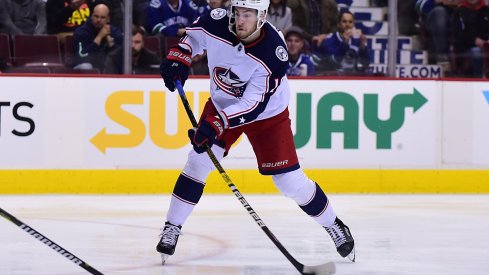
<point>300,63</point>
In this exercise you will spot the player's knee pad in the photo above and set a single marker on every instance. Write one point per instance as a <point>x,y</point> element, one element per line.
<point>199,166</point>
<point>295,185</point>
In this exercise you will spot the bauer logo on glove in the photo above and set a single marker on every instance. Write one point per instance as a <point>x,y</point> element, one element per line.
<point>179,56</point>
<point>218,127</point>
<point>208,130</point>
<point>175,66</point>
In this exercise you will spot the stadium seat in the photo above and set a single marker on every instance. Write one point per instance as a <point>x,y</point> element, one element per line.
<point>36,51</point>
<point>28,70</point>
<point>153,44</point>
<point>5,48</point>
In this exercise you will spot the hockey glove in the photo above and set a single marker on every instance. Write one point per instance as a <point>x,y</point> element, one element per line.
<point>207,132</point>
<point>175,66</point>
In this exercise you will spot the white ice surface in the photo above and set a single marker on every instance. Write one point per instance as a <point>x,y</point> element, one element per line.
<point>394,234</point>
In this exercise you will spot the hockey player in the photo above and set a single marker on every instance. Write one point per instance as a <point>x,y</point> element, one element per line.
<point>248,60</point>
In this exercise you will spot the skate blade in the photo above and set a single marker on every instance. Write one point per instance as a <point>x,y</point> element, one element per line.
<point>324,269</point>
<point>351,256</point>
<point>164,257</point>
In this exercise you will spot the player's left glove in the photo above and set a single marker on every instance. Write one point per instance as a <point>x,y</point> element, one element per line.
<point>175,66</point>
<point>208,130</point>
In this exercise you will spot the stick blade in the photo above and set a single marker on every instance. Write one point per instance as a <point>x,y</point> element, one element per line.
<point>324,269</point>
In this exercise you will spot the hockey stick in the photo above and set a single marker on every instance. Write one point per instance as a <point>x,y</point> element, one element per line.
<point>34,233</point>
<point>327,268</point>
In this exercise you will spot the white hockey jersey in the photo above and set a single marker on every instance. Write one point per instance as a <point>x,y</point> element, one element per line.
<point>248,82</point>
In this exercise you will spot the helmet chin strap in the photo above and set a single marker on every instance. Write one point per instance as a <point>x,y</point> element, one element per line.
<point>250,37</point>
<point>261,15</point>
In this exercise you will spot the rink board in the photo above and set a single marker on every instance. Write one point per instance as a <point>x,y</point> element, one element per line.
<point>129,135</point>
<point>247,181</point>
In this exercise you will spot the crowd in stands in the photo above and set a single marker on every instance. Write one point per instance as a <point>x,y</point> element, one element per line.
<point>321,35</point>
<point>456,32</point>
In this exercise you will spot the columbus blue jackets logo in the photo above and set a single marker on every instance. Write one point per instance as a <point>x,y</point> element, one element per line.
<point>217,14</point>
<point>281,53</point>
<point>228,82</point>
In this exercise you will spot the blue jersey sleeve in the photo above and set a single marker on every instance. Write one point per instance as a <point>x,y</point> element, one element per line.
<point>161,18</point>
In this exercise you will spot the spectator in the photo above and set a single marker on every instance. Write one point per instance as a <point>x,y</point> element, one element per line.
<point>116,8</point>
<point>316,17</point>
<point>205,6</point>
<point>380,3</point>
<point>64,16</point>
<point>199,62</point>
<point>407,18</point>
<point>344,4</point>
<point>170,17</point>
<point>470,32</point>
<point>214,4</point>
<point>280,15</point>
<point>22,17</point>
<point>435,15</point>
<point>143,60</point>
<point>300,63</point>
<point>93,40</point>
<point>346,50</point>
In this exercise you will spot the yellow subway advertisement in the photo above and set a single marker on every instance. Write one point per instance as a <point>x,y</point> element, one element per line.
<point>129,135</point>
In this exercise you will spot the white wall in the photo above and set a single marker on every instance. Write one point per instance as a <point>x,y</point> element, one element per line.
<point>449,130</point>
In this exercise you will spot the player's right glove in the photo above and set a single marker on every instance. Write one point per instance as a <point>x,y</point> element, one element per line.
<point>175,66</point>
<point>208,130</point>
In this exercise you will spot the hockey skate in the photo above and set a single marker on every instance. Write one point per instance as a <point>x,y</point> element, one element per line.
<point>343,240</point>
<point>169,238</point>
